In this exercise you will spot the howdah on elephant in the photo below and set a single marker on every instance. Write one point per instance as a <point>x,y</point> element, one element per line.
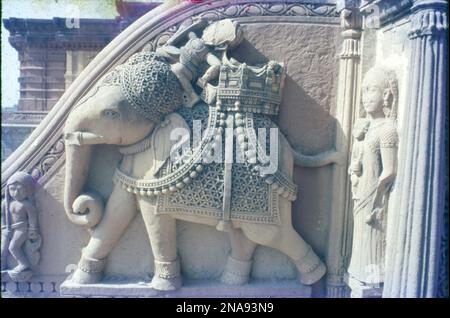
<point>137,106</point>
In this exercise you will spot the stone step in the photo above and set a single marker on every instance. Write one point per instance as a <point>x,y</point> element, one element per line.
<point>191,289</point>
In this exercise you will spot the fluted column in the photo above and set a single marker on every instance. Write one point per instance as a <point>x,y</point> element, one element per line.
<point>414,236</point>
<point>340,231</point>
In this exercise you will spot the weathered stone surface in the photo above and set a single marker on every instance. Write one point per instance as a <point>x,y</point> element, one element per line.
<point>305,113</point>
<point>309,92</point>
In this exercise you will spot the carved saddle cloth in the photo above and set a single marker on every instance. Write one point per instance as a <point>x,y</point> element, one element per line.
<point>251,198</point>
<point>214,178</point>
<point>191,185</point>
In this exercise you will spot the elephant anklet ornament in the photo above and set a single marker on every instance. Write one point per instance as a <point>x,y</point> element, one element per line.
<point>139,107</point>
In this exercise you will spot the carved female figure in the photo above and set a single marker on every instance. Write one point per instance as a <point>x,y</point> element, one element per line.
<point>373,169</point>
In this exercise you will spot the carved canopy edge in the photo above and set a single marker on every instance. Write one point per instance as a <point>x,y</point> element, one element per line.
<point>43,150</point>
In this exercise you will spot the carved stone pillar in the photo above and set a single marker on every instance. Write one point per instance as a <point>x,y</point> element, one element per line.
<point>413,242</point>
<point>346,110</point>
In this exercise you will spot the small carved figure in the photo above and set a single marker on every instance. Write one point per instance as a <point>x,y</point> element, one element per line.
<point>355,169</point>
<point>218,36</point>
<point>373,169</point>
<point>19,225</point>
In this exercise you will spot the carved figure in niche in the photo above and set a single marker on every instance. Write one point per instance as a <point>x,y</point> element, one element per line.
<point>136,106</point>
<point>373,170</point>
<point>197,51</point>
<point>20,234</point>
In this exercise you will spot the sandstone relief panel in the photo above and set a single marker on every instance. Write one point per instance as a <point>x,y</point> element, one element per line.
<point>138,106</point>
<point>241,148</point>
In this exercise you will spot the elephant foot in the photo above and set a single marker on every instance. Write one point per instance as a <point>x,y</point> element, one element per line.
<point>166,284</point>
<point>236,272</point>
<point>311,268</point>
<point>167,276</point>
<point>83,278</point>
<point>89,271</point>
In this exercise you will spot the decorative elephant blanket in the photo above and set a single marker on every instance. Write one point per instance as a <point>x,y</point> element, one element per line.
<point>195,182</point>
<point>210,176</point>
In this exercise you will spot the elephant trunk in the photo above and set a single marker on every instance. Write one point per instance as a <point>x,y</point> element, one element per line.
<point>81,208</point>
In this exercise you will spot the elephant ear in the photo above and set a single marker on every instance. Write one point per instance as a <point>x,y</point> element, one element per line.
<point>164,141</point>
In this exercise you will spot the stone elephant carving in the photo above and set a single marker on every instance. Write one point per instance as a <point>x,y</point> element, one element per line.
<point>136,107</point>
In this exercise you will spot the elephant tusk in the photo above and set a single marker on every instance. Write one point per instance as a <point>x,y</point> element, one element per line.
<point>83,138</point>
<point>73,139</point>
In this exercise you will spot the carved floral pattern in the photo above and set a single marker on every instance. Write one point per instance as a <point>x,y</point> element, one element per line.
<point>48,160</point>
<point>248,10</point>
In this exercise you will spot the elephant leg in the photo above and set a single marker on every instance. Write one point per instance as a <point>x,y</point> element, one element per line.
<point>161,230</point>
<point>239,263</point>
<point>285,239</point>
<point>119,211</point>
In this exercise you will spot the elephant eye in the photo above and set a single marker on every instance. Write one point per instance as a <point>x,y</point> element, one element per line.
<point>111,113</point>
